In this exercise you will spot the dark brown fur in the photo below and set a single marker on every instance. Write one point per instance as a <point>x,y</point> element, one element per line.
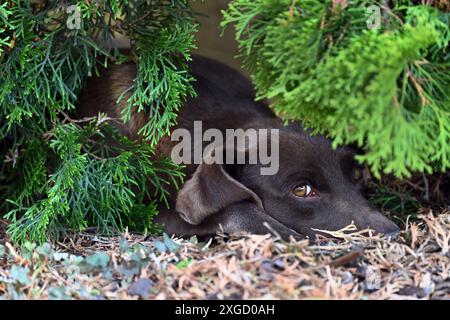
<point>236,197</point>
<point>102,93</point>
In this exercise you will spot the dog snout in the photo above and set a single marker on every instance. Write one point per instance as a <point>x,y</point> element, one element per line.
<point>381,224</point>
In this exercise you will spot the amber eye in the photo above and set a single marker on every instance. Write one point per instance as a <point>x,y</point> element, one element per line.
<point>357,174</point>
<point>303,191</point>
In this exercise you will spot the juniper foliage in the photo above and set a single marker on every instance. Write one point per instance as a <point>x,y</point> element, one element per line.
<point>56,173</point>
<point>385,89</point>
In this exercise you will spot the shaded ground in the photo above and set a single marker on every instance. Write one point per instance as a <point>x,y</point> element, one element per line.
<point>356,265</point>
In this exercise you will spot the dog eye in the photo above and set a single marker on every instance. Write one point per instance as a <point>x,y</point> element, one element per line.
<point>303,191</point>
<point>357,174</point>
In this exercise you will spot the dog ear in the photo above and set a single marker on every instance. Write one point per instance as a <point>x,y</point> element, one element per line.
<point>210,189</point>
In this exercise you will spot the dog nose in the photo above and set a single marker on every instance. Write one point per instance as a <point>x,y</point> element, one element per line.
<point>381,224</point>
<point>393,234</point>
<point>392,231</point>
<point>390,228</point>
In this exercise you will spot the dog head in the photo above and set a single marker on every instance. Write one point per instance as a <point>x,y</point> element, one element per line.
<point>314,188</point>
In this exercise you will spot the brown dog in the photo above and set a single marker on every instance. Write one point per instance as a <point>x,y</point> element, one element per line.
<point>313,188</point>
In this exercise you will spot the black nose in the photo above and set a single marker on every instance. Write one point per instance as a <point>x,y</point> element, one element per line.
<point>392,229</point>
<point>381,224</point>
<point>392,234</point>
<point>389,229</point>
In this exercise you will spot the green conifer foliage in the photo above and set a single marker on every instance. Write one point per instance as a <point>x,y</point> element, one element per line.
<point>56,173</point>
<point>385,88</point>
